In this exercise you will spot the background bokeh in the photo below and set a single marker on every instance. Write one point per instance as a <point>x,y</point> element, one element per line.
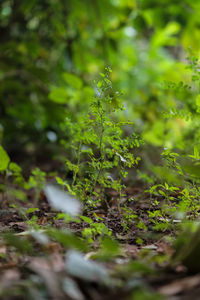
<point>51,52</point>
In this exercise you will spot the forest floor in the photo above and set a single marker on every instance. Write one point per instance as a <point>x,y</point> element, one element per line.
<point>139,267</point>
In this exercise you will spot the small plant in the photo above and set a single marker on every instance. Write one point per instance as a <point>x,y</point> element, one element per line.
<point>11,173</point>
<point>129,217</point>
<point>37,181</point>
<point>95,229</point>
<point>101,151</point>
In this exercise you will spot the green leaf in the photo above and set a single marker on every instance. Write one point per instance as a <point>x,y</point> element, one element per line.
<point>59,95</point>
<point>192,169</point>
<point>86,219</point>
<point>99,84</point>
<point>73,80</point>
<point>14,167</point>
<point>31,210</point>
<point>67,239</point>
<point>4,159</point>
<point>166,36</point>
<point>198,100</point>
<point>23,245</point>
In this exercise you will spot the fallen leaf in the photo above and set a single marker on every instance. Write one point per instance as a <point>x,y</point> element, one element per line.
<point>3,249</point>
<point>181,285</point>
<point>42,220</point>
<point>18,226</point>
<point>43,268</point>
<point>9,277</point>
<point>57,262</point>
<point>131,250</point>
<point>150,247</point>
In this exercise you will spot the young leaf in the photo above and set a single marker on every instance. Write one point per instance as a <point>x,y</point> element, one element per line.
<point>4,159</point>
<point>73,80</point>
<point>59,95</point>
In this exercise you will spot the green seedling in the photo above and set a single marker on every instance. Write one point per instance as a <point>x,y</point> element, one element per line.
<point>102,154</point>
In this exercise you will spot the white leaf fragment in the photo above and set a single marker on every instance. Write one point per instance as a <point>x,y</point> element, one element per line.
<point>40,237</point>
<point>62,201</point>
<point>150,247</point>
<point>121,157</point>
<point>79,267</point>
<point>71,288</point>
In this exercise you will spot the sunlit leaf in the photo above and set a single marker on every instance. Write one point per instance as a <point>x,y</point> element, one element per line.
<point>59,95</point>
<point>73,80</point>
<point>68,239</point>
<point>192,169</point>
<point>198,100</point>
<point>4,159</point>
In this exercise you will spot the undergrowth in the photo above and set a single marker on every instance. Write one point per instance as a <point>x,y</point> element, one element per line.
<point>102,147</point>
<point>100,151</point>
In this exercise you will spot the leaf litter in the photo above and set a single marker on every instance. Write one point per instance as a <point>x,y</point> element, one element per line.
<point>33,263</point>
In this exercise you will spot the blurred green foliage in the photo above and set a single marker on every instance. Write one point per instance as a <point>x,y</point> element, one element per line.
<point>51,51</point>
